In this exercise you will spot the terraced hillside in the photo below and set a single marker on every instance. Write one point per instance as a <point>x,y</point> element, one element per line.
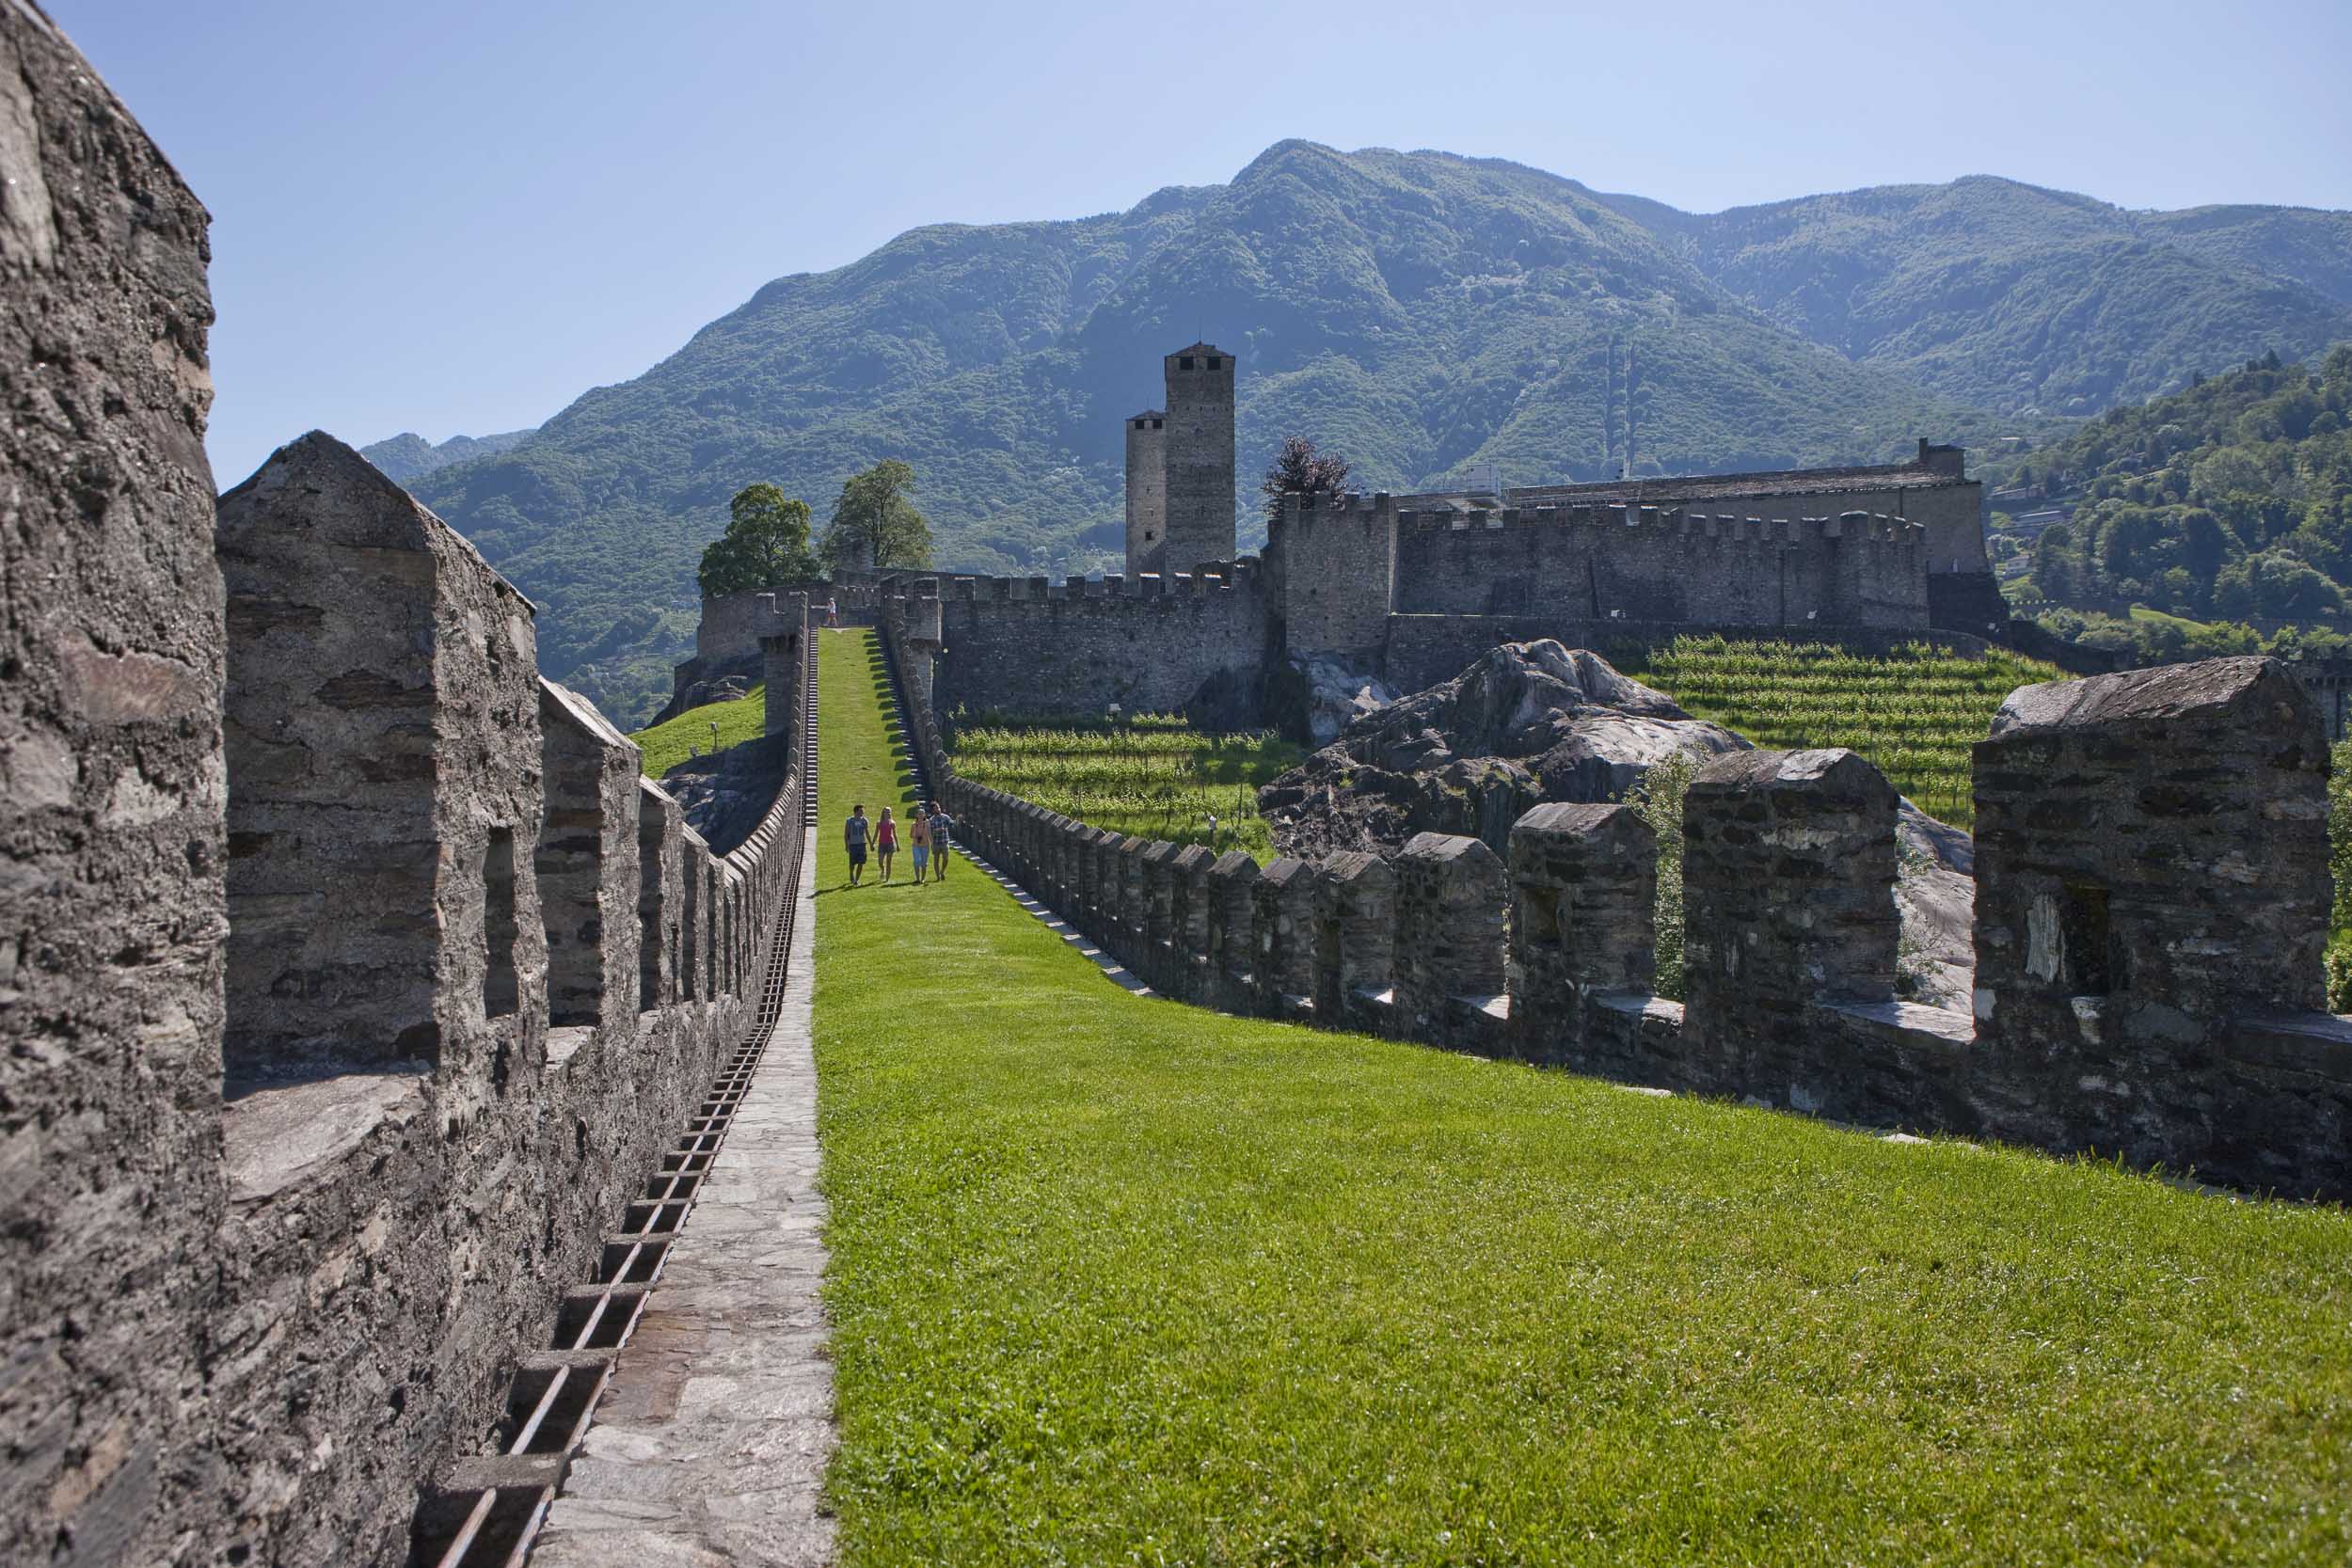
<point>1915,711</point>
<point>1152,775</point>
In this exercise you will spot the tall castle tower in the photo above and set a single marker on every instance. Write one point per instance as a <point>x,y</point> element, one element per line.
<point>1199,459</point>
<point>1147,491</point>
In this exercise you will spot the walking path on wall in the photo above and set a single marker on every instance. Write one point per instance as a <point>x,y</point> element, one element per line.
<point>710,1444</point>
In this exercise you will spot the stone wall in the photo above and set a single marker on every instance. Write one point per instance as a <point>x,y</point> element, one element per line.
<point>331,1051</point>
<point>456,1057</point>
<point>1150,645</point>
<point>451,1062</point>
<point>112,797</point>
<point>2153,900</point>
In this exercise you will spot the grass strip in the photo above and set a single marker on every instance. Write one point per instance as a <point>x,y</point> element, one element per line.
<point>667,744</point>
<point>1118,1280</point>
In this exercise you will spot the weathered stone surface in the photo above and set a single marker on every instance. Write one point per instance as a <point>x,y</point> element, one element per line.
<point>1528,723</point>
<point>1284,916</point>
<point>111,804</point>
<point>1789,878</point>
<point>1355,944</point>
<point>586,864</point>
<point>369,860</point>
<point>1451,896</point>
<point>2152,862</point>
<point>1337,695</point>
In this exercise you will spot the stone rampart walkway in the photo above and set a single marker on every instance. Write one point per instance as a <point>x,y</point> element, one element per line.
<point>709,1448</point>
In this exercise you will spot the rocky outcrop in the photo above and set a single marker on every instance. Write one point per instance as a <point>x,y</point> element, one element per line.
<point>1532,723</point>
<point>724,795</point>
<point>1529,723</point>
<point>1337,695</point>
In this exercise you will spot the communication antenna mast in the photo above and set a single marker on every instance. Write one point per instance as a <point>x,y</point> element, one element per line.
<point>1632,375</point>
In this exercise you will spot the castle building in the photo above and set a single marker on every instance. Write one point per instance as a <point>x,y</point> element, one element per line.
<point>1180,468</point>
<point>1147,491</point>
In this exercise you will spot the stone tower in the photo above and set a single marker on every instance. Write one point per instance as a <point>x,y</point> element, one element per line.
<point>1147,491</point>
<point>1200,458</point>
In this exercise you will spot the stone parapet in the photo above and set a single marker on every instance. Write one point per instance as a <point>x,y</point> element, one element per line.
<point>2193,799</point>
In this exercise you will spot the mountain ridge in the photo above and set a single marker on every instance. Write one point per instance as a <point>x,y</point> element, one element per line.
<point>1423,313</point>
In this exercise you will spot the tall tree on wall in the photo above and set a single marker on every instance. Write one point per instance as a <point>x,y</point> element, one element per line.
<point>766,545</point>
<point>1299,467</point>
<point>875,525</point>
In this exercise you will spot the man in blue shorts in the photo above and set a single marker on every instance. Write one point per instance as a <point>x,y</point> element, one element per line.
<point>941,824</point>
<point>853,834</point>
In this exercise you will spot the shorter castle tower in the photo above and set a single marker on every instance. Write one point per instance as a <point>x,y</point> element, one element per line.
<point>1147,491</point>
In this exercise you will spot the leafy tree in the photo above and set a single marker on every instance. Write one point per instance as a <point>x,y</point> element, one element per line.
<point>1299,467</point>
<point>2276,585</point>
<point>766,545</point>
<point>875,525</point>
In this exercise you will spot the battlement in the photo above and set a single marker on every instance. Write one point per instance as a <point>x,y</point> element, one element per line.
<point>1688,524</point>
<point>1227,581</point>
<point>391,975</point>
<point>2151,901</point>
<point>1189,643</point>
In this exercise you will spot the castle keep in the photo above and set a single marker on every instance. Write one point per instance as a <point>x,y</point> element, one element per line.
<point>1180,468</point>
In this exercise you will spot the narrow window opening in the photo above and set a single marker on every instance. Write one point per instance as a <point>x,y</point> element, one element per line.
<point>1217,364</point>
<point>501,994</point>
<point>1183,363</point>
<point>1540,917</point>
<point>649,948</point>
<point>689,974</point>
<point>2083,936</point>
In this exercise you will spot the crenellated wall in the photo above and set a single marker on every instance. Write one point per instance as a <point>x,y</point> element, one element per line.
<point>1356,577</point>
<point>354,980</point>
<point>480,971</point>
<point>112,798</point>
<point>1151,644</point>
<point>2152,899</point>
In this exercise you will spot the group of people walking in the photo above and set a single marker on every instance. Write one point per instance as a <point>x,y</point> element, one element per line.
<point>927,834</point>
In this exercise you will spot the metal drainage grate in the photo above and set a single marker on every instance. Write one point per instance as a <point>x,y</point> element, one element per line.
<point>490,1508</point>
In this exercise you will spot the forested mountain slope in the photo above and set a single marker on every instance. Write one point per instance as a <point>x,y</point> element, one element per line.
<point>2018,299</point>
<point>2232,499</point>
<point>1423,314</point>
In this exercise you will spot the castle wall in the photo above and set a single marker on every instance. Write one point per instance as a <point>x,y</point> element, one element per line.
<point>1015,645</point>
<point>1333,566</point>
<point>111,804</point>
<point>733,624</point>
<point>2153,900</point>
<point>412,1191</point>
<point>1199,456</point>
<point>254,1302</point>
<point>1641,564</point>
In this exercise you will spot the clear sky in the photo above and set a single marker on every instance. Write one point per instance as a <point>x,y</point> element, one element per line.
<point>455,217</point>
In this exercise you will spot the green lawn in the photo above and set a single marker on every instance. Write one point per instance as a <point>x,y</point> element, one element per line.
<point>667,744</point>
<point>1122,1281</point>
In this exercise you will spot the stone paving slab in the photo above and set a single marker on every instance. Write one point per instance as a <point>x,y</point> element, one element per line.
<point>709,1448</point>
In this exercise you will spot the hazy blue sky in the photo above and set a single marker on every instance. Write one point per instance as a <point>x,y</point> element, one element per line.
<point>457,216</point>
